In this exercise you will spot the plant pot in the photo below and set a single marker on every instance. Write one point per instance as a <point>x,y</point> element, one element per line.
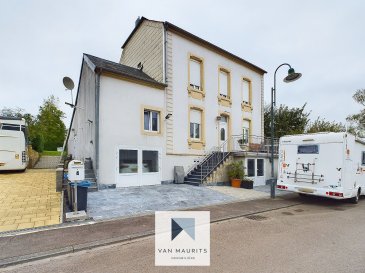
<point>236,183</point>
<point>247,184</point>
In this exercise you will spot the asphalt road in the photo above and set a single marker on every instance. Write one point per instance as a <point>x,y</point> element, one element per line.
<point>316,236</point>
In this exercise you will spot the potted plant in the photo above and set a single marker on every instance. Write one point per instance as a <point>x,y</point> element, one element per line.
<point>247,183</point>
<point>235,173</point>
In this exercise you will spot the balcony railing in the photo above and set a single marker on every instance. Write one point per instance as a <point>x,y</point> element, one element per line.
<point>253,143</point>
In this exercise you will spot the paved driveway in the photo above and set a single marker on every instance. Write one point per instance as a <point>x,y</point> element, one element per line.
<point>29,200</point>
<point>120,202</point>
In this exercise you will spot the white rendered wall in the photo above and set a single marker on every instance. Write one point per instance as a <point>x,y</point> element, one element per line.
<point>180,50</point>
<point>81,142</point>
<point>120,122</point>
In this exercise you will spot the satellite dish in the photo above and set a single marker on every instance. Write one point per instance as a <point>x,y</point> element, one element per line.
<point>68,83</point>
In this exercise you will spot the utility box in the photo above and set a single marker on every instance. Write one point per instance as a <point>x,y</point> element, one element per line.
<point>179,174</point>
<point>76,170</point>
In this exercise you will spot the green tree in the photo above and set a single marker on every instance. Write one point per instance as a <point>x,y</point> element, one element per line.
<point>322,125</point>
<point>16,112</point>
<point>287,120</point>
<point>358,120</point>
<point>50,124</point>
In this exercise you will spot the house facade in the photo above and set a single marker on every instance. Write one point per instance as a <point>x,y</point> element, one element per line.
<point>172,100</point>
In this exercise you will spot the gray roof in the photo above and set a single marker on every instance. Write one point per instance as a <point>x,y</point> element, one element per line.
<point>123,70</point>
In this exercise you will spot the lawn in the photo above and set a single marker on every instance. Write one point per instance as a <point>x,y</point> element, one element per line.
<point>51,153</point>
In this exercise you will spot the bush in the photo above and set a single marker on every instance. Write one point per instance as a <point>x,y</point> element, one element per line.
<point>235,170</point>
<point>38,143</point>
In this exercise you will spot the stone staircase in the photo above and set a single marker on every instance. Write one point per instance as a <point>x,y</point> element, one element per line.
<point>47,162</point>
<point>208,165</point>
<point>90,175</point>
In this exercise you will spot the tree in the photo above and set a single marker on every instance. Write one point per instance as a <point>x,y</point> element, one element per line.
<point>358,120</point>
<point>287,120</point>
<point>16,112</point>
<point>50,124</point>
<point>322,125</point>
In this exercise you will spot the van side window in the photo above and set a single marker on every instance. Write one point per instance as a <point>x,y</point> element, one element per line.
<point>308,149</point>
<point>362,158</point>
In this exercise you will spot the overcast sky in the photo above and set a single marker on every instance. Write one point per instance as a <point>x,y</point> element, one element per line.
<point>43,41</point>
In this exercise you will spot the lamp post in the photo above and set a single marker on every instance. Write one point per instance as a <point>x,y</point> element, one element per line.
<point>292,76</point>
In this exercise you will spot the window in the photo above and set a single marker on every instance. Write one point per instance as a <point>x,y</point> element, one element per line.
<point>195,74</point>
<point>260,167</point>
<point>151,121</point>
<point>224,83</point>
<point>245,87</point>
<point>223,134</point>
<point>150,161</point>
<point>308,149</point>
<point>195,124</point>
<point>128,161</point>
<point>246,132</point>
<point>10,127</point>
<point>363,158</point>
<point>250,167</point>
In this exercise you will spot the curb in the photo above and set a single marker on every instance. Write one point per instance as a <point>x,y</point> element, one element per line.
<point>115,240</point>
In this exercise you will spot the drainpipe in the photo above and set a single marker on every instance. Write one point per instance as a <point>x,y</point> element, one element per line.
<point>97,100</point>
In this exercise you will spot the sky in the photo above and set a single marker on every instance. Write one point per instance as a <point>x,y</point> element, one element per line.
<point>43,41</point>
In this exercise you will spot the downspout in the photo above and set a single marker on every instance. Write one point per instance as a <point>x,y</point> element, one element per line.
<point>97,101</point>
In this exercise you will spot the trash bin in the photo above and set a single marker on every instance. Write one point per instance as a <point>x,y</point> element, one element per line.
<point>81,194</point>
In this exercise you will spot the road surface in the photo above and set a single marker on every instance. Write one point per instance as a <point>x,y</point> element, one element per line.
<point>316,236</point>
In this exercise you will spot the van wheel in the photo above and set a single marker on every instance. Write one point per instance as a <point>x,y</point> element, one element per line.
<point>355,199</point>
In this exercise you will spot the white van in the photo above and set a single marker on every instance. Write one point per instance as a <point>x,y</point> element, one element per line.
<point>13,144</point>
<point>323,164</point>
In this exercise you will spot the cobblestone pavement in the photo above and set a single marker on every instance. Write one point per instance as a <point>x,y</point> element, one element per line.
<point>240,193</point>
<point>122,202</point>
<point>29,200</point>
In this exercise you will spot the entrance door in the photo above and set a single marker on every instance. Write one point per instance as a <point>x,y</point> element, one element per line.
<point>223,134</point>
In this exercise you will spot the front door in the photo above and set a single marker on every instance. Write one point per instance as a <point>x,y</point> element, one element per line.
<point>223,134</point>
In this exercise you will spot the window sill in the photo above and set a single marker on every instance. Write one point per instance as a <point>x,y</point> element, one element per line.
<point>224,101</point>
<point>151,133</point>
<point>196,93</point>
<point>196,144</point>
<point>246,107</point>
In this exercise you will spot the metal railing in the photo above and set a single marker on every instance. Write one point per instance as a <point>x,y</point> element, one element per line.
<point>257,144</point>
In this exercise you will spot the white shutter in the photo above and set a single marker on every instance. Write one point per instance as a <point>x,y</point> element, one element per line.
<point>195,72</point>
<point>246,91</point>
<point>195,116</point>
<point>223,83</point>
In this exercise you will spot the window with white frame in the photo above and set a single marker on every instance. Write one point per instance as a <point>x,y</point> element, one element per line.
<point>245,87</point>
<point>151,121</point>
<point>195,124</point>
<point>195,74</point>
<point>260,167</point>
<point>128,161</point>
<point>250,167</point>
<point>224,83</point>
<point>150,161</point>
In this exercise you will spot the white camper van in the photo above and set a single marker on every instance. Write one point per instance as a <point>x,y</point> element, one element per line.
<point>13,144</point>
<point>324,164</point>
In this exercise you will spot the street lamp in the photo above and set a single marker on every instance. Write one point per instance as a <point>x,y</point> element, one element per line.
<point>292,76</point>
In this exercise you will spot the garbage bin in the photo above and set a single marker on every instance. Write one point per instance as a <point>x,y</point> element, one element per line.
<point>81,194</point>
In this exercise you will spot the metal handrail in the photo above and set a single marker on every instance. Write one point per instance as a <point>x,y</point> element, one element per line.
<point>202,159</point>
<point>254,144</point>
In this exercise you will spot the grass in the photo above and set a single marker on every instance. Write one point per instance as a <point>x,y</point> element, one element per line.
<point>51,153</point>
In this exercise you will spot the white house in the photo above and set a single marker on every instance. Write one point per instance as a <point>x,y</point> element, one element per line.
<point>172,100</point>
